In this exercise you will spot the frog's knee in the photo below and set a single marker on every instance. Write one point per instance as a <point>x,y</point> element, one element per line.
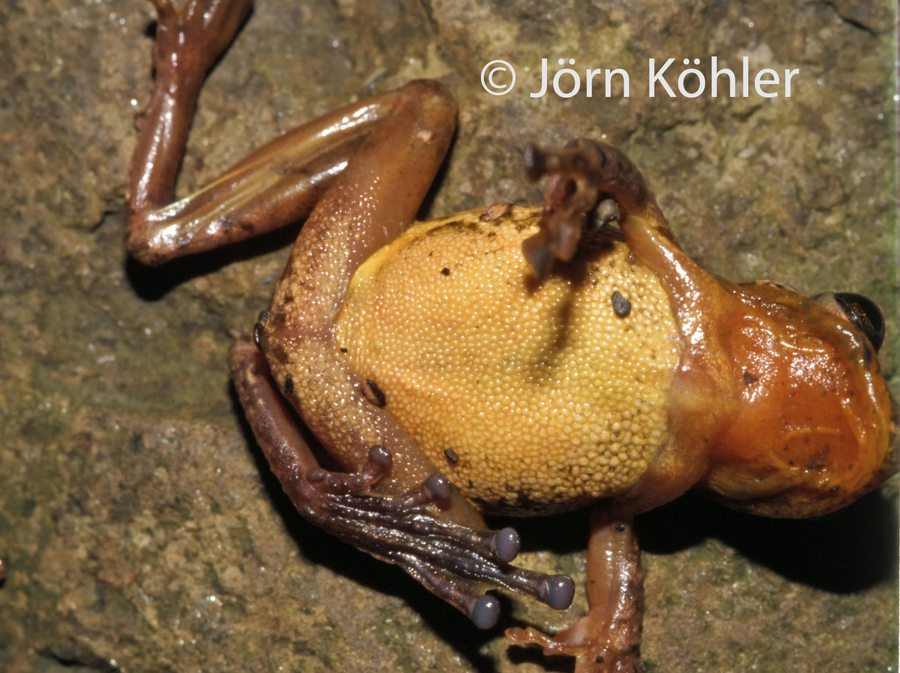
<point>433,104</point>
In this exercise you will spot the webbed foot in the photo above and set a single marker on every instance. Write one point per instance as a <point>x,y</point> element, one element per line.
<point>447,558</point>
<point>190,36</point>
<point>453,561</point>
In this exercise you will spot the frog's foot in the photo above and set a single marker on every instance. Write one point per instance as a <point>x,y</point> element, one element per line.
<point>453,561</point>
<point>591,656</point>
<point>449,559</point>
<point>581,175</point>
<point>190,36</point>
<point>608,638</point>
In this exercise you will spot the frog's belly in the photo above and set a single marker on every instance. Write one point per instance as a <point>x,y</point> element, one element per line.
<point>529,396</point>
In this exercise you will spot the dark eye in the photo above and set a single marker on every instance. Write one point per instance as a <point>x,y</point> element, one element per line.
<point>861,311</point>
<point>865,314</point>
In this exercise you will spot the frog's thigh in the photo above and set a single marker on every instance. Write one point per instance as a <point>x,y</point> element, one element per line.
<point>373,199</point>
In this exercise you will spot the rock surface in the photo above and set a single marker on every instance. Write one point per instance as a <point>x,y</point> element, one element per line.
<point>142,529</point>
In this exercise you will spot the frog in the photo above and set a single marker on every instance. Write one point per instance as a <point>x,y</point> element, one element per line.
<point>409,377</point>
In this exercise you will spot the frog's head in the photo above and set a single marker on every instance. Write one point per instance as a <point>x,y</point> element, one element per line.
<point>808,424</point>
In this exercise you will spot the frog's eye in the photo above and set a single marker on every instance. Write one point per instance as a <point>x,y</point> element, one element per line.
<point>861,311</point>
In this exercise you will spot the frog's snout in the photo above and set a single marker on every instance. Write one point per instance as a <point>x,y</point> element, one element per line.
<point>860,311</point>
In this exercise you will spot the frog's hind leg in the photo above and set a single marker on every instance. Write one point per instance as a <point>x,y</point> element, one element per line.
<point>607,639</point>
<point>452,561</point>
<point>435,535</point>
<point>277,184</point>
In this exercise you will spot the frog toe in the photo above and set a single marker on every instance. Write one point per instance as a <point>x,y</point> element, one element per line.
<point>591,655</point>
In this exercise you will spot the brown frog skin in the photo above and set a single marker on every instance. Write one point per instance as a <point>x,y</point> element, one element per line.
<point>541,359</point>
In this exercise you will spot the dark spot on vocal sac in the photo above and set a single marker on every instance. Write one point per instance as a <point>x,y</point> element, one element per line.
<point>445,271</point>
<point>451,455</point>
<point>288,385</point>
<point>750,378</point>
